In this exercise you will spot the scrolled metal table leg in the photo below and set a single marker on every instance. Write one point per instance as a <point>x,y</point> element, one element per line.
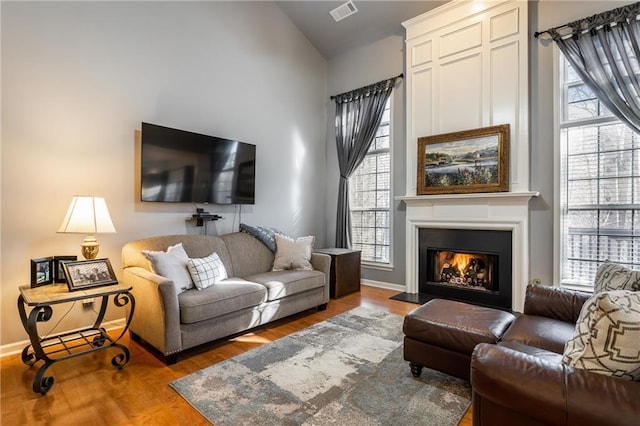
<point>41,383</point>
<point>120,360</point>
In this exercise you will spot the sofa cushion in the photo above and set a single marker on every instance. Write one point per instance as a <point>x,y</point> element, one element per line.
<point>285,283</point>
<point>612,276</point>
<point>248,255</point>
<point>607,336</point>
<point>229,295</point>
<point>541,332</point>
<point>293,254</point>
<point>206,271</point>
<point>171,264</point>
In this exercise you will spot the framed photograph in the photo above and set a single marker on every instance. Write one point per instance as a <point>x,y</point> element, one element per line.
<point>58,269</point>
<point>84,274</point>
<point>41,271</point>
<point>463,162</point>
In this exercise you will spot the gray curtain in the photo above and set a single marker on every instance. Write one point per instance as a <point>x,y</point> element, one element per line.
<point>358,115</point>
<point>605,52</point>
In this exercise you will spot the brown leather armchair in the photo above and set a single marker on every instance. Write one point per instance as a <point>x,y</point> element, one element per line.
<point>523,381</point>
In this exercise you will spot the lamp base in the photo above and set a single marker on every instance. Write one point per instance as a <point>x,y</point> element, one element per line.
<point>90,247</point>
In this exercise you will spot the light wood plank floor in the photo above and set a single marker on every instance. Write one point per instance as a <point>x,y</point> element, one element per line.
<point>88,390</point>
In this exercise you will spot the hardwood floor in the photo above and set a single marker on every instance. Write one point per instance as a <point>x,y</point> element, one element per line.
<point>88,390</point>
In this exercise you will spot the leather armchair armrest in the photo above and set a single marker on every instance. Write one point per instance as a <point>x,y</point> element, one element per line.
<point>554,302</point>
<point>525,384</point>
<point>596,399</point>
<point>551,392</point>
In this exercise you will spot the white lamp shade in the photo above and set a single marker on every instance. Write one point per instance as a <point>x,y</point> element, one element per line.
<point>87,215</point>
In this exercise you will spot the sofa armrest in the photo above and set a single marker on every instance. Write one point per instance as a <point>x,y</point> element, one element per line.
<point>525,386</point>
<point>157,315</point>
<point>554,302</point>
<point>322,262</point>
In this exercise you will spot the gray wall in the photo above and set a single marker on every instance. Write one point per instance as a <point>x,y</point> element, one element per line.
<point>360,67</point>
<point>79,77</point>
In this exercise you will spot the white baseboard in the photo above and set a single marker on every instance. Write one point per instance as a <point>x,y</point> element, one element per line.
<point>17,347</point>
<point>382,284</point>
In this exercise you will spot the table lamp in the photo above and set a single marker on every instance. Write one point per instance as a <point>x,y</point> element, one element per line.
<point>87,215</point>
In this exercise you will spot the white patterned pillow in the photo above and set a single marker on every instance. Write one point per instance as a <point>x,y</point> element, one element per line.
<point>293,254</point>
<point>612,276</point>
<point>607,335</point>
<point>207,271</point>
<point>172,265</point>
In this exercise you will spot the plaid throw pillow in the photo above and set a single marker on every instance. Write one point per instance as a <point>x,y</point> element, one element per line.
<point>206,271</point>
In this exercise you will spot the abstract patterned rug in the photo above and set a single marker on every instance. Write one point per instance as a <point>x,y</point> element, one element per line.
<point>347,370</point>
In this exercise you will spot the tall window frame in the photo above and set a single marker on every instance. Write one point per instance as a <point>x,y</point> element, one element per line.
<point>597,184</point>
<point>370,197</point>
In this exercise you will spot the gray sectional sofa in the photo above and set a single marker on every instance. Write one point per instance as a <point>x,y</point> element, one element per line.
<point>252,295</point>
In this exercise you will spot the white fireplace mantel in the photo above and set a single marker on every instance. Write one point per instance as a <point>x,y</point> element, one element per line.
<point>507,211</point>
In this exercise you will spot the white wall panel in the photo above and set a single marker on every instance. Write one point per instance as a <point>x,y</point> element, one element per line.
<point>460,40</point>
<point>460,90</point>
<point>422,53</point>
<point>504,93</point>
<point>503,25</point>
<point>477,57</point>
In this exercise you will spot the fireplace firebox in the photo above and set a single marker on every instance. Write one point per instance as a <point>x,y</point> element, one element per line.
<point>468,265</point>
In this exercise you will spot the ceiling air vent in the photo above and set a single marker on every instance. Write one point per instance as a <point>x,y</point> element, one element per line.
<point>344,10</point>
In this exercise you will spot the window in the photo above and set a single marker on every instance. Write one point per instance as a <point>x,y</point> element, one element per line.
<point>599,185</point>
<point>370,197</point>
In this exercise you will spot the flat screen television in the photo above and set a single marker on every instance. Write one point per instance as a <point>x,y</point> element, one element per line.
<point>185,167</point>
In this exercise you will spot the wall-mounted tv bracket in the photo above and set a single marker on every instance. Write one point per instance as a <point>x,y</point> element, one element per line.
<point>200,216</point>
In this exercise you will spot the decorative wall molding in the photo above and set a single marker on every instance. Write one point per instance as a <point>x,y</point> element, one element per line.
<point>467,68</point>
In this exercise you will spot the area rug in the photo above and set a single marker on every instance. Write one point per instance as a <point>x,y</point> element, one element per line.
<point>347,370</point>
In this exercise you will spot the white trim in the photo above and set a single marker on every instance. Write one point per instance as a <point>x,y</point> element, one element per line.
<point>557,92</point>
<point>382,284</point>
<point>378,266</point>
<point>17,347</point>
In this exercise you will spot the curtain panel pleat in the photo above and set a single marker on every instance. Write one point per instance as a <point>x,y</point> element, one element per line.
<point>604,51</point>
<point>358,116</point>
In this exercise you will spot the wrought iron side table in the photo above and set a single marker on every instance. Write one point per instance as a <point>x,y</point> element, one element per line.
<point>59,347</point>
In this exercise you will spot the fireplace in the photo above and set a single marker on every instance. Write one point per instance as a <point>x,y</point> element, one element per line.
<point>468,265</point>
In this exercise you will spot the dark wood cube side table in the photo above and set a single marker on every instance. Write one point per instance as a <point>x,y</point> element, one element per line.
<point>345,271</point>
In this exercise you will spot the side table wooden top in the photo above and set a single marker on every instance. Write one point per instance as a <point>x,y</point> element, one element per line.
<point>59,293</point>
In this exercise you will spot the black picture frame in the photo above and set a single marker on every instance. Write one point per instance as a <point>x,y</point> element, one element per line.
<point>85,274</point>
<point>41,271</point>
<point>58,267</point>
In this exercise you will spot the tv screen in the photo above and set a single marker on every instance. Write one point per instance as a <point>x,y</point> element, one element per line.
<point>186,167</point>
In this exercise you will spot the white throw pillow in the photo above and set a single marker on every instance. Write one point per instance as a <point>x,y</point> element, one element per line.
<point>292,254</point>
<point>607,335</point>
<point>612,276</point>
<point>207,271</point>
<point>172,265</point>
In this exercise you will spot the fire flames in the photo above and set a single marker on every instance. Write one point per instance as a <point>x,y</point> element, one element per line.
<point>463,269</point>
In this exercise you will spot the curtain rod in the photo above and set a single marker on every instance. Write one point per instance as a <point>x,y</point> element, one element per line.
<point>401,75</point>
<point>610,15</point>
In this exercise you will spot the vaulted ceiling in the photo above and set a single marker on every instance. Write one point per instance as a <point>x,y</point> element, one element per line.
<point>374,20</point>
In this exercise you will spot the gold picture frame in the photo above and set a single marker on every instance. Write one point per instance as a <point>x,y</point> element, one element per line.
<point>464,162</point>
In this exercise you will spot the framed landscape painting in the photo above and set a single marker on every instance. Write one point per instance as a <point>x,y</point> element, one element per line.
<point>463,162</point>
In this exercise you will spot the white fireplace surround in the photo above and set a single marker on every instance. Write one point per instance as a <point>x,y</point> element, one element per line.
<point>505,211</point>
